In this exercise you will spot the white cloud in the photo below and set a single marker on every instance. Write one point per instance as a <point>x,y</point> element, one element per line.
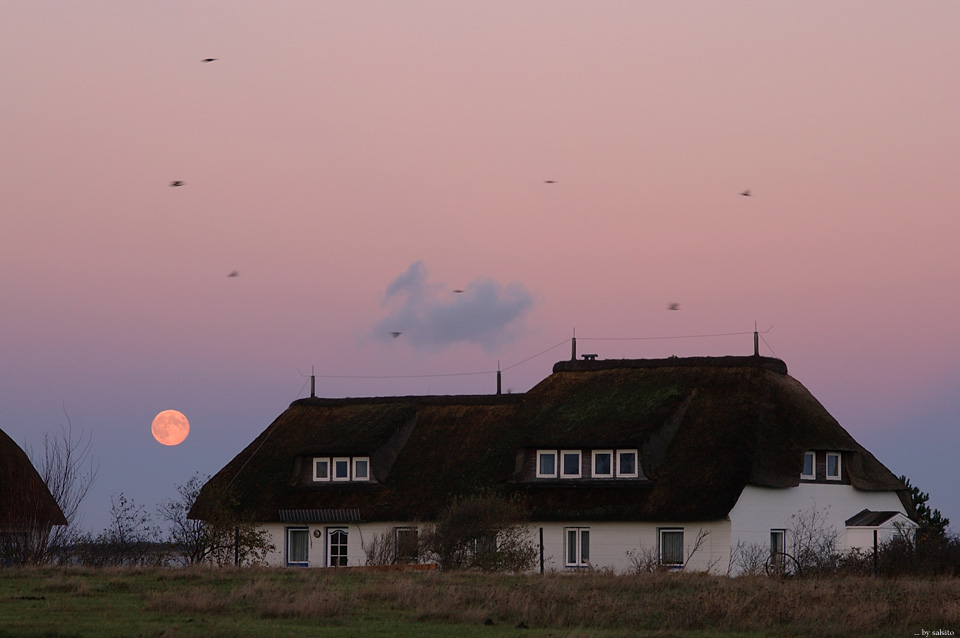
<point>432,315</point>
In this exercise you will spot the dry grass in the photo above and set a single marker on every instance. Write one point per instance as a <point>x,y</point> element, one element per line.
<point>593,604</point>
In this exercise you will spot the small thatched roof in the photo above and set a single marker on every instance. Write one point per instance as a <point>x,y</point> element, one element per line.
<point>705,428</point>
<point>25,501</point>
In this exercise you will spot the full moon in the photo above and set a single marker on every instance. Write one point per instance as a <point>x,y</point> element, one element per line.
<point>170,427</point>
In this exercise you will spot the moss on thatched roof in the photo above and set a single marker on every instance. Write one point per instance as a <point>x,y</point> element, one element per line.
<point>705,428</point>
<point>25,501</point>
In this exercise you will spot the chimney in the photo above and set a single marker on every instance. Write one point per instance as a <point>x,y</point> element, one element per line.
<point>313,385</point>
<point>573,346</point>
<point>756,341</point>
<point>498,377</point>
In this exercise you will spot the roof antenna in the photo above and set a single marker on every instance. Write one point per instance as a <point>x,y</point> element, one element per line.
<point>756,340</point>
<point>498,377</point>
<point>573,346</point>
<point>313,382</point>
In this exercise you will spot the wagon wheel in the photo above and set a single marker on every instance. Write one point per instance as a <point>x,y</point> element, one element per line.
<point>783,564</point>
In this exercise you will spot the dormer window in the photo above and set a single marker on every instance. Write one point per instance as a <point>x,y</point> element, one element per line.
<point>809,466</point>
<point>546,464</point>
<point>627,466</point>
<point>603,464</point>
<point>321,469</point>
<point>341,469</point>
<point>361,468</point>
<point>570,464</point>
<point>833,466</point>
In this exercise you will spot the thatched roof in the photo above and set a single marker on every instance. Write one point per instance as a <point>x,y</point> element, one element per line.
<point>25,501</point>
<point>705,428</point>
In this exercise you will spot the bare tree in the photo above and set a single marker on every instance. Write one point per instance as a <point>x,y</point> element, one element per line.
<point>484,531</point>
<point>68,469</point>
<point>188,536</point>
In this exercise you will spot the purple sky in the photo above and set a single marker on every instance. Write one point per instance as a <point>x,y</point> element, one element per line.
<point>357,161</point>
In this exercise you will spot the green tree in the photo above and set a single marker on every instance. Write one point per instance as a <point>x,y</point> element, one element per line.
<point>932,524</point>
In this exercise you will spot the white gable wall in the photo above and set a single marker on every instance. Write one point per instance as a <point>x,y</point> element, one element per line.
<point>762,509</point>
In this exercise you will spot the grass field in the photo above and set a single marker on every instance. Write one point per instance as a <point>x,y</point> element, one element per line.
<point>56,603</point>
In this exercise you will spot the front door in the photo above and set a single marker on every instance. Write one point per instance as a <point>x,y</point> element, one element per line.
<point>336,547</point>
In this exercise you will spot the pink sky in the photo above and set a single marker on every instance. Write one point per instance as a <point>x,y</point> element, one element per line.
<point>334,145</point>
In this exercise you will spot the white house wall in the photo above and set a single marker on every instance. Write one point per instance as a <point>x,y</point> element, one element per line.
<point>758,511</point>
<point>359,537</point>
<point>761,509</point>
<point>610,543</point>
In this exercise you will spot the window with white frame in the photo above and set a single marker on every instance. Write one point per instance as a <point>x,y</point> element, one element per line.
<point>570,464</point>
<point>671,546</point>
<point>321,469</point>
<point>336,547</point>
<point>576,549</point>
<point>361,468</point>
<point>628,465</point>
<point>341,469</point>
<point>833,466</point>
<point>602,464</point>
<point>298,546</point>
<point>809,465</point>
<point>546,464</point>
<point>778,545</point>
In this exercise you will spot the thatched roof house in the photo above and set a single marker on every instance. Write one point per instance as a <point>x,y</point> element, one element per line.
<point>694,434</point>
<point>25,501</point>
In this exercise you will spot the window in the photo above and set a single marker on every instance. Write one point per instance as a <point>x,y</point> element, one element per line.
<point>809,465</point>
<point>321,469</point>
<point>577,550</point>
<point>570,464</point>
<point>407,544</point>
<point>627,466</point>
<point>778,540</point>
<point>546,464</point>
<point>298,546</point>
<point>603,463</point>
<point>341,469</point>
<point>671,547</point>
<point>336,547</point>
<point>833,466</point>
<point>361,468</point>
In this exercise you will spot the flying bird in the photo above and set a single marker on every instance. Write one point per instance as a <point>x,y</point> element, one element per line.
<point>176,183</point>
<point>549,181</point>
<point>395,334</point>
<point>673,306</point>
<point>746,193</point>
<point>209,60</point>
<point>458,291</point>
<point>235,273</point>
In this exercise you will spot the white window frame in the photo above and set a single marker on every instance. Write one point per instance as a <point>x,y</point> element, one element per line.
<point>660,533</point>
<point>356,475</point>
<point>636,464</point>
<point>331,531</point>
<point>333,468</point>
<point>578,540</point>
<point>318,460</point>
<point>839,474</point>
<point>556,465</point>
<point>813,465</point>
<point>299,530</point>
<point>593,464</point>
<point>778,547</point>
<point>563,473</point>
